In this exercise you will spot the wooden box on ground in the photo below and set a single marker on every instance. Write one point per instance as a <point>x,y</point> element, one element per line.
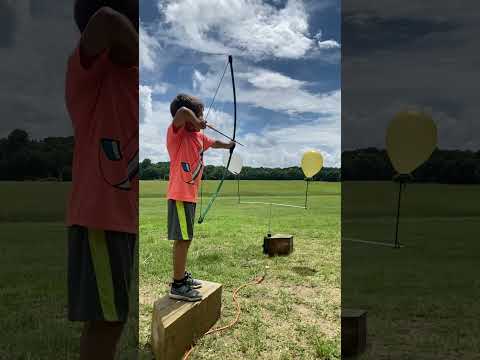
<point>177,325</point>
<point>354,332</point>
<point>279,244</point>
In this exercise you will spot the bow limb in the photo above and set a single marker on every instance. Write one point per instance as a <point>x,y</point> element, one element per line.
<point>204,214</point>
<point>219,187</point>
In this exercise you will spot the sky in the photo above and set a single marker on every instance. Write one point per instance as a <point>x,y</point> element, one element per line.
<point>418,55</point>
<point>36,38</point>
<point>286,59</point>
<point>397,55</point>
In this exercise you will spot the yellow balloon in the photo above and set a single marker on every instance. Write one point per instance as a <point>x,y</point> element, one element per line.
<point>312,163</point>
<point>411,139</point>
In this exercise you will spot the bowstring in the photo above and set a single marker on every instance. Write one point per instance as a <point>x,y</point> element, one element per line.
<point>216,91</point>
<point>203,130</point>
<point>203,214</point>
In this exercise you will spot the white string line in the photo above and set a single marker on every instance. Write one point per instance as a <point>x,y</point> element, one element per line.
<point>270,203</point>
<point>370,242</point>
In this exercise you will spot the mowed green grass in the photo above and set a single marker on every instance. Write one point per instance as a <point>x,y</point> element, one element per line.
<point>294,313</point>
<point>421,299</point>
<point>33,276</point>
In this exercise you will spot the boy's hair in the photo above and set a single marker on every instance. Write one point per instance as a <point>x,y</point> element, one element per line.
<point>190,102</point>
<point>85,9</point>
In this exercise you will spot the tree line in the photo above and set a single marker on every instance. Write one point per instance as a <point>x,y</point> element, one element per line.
<point>160,170</point>
<point>444,166</point>
<point>22,158</point>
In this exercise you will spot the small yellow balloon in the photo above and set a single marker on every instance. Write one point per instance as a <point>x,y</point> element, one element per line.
<point>312,163</point>
<point>411,139</point>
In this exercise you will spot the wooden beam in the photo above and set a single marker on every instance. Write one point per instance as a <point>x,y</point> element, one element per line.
<point>177,325</point>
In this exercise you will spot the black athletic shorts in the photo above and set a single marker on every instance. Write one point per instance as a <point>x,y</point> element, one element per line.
<point>100,265</point>
<point>181,218</point>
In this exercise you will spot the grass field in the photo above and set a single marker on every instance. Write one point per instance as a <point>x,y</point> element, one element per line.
<point>294,313</point>
<point>422,300</point>
<point>33,276</point>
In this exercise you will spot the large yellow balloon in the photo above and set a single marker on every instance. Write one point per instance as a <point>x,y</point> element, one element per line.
<point>312,163</point>
<point>411,139</point>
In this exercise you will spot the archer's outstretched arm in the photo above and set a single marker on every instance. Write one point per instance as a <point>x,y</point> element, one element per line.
<point>109,29</point>
<point>223,145</point>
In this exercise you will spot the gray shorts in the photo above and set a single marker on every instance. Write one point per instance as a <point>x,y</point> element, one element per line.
<point>100,266</point>
<point>181,218</point>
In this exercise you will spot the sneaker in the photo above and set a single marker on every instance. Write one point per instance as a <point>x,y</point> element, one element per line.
<point>184,292</point>
<point>194,283</point>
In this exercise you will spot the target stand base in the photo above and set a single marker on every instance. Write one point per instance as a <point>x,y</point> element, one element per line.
<point>279,244</point>
<point>354,332</point>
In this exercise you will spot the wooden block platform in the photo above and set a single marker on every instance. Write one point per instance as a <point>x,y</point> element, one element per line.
<point>177,325</point>
<point>279,244</point>
<point>354,332</point>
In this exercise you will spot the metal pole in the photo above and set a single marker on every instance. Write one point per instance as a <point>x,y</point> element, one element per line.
<point>238,188</point>
<point>270,221</point>
<point>306,193</point>
<point>400,186</point>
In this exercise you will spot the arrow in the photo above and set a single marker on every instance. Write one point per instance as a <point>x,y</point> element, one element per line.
<point>228,137</point>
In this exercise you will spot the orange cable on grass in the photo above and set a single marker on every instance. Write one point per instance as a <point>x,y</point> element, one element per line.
<point>237,317</point>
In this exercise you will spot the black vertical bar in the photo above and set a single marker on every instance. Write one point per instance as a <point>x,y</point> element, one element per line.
<point>270,221</point>
<point>306,193</point>
<point>400,186</point>
<point>238,188</point>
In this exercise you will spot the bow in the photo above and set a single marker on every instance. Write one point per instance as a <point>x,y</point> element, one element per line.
<point>204,213</point>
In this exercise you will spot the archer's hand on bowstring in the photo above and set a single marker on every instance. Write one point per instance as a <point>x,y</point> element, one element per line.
<point>186,117</point>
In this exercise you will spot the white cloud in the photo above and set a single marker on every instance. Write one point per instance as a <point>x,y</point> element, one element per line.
<point>276,146</point>
<point>271,90</point>
<point>284,146</point>
<point>153,130</point>
<point>328,45</point>
<point>160,88</point>
<point>256,31</point>
<point>247,27</point>
<point>294,101</point>
<point>272,80</point>
<point>145,103</point>
<point>148,48</point>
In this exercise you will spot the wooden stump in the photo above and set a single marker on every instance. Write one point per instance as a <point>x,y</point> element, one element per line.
<point>354,332</point>
<point>279,244</point>
<point>177,325</point>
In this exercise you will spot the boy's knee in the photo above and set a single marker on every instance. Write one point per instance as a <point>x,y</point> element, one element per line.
<point>182,243</point>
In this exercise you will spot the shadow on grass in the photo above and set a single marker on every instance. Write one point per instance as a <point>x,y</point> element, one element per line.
<point>208,258</point>
<point>304,271</point>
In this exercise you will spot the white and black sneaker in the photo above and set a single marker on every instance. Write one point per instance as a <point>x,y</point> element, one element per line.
<point>183,291</point>
<point>194,283</point>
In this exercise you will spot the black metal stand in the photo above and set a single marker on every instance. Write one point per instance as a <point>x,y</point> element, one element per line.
<point>402,183</point>
<point>238,188</point>
<point>269,234</point>
<point>306,192</point>
<point>400,188</point>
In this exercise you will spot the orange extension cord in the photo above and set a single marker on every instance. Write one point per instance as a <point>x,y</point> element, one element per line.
<point>237,317</point>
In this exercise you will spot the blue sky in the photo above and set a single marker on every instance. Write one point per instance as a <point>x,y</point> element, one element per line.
<point>286,58</point>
